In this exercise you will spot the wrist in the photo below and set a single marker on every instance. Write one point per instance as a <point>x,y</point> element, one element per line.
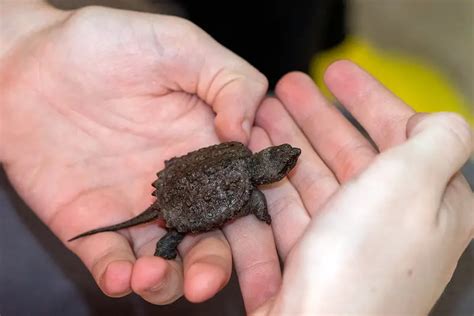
<point>21,19</point>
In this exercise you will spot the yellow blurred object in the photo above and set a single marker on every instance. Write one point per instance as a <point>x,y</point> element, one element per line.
<point>417,83</point>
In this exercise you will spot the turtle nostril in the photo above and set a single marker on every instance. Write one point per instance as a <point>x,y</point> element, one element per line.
<point>295,151</point>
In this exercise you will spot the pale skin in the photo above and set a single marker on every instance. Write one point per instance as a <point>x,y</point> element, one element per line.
<point>106,97</point>
<point>90,125</point>
<point>359,230</point>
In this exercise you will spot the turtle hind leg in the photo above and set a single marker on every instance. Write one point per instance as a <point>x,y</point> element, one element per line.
<point>166,246</point>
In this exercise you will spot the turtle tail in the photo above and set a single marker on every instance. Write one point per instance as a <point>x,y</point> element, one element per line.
<point>150,214</point>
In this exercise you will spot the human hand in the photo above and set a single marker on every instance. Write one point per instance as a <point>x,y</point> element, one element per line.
<point>361,231</point>
<point>91,106</point>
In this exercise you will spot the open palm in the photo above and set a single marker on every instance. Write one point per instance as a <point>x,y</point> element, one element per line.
<point>91,112</point>
<point>359,223</point>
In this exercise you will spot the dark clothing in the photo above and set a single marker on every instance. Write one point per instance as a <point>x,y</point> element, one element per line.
<point>276,37</point>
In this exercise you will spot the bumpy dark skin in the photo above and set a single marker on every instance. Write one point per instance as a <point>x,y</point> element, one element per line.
<point>206,188</point>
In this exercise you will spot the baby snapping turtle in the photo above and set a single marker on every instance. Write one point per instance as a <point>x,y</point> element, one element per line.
<point>204,189</point>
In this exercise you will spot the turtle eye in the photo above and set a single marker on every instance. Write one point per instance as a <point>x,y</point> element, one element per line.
<point>291,159</point>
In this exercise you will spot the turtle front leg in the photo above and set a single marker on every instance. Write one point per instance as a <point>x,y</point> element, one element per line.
<point>166,246</point>
<point>258,206</point>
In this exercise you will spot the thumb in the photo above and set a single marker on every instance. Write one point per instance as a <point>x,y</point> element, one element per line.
<point>440,144</point>
<point>235,95</point>
<point>225,81</point>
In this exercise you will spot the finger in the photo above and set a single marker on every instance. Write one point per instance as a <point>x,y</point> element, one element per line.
<point>108,256</point>
<point>235,104</point>
<point>312,178</point>
<point>447,137</point>
<point>342,147</point>
<point>230,85</point>
<point>458,211</point>
<point>381,113</point>
<point>110,262</point>
<point>202,269</point>
<point>255,259</point>
<point>438,146</point>
<point>255,256</point>
<point>207,265</point>
<point>157,280</point>
<point>233,88</point>
<point>289,217</point>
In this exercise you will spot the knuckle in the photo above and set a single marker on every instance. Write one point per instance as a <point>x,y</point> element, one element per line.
<point>261,81</point>
<point>266,265</point>
<point>282,203</point>
<point>86,14</point>
<point>389,130</point>
<point>84,22</point>
<point>182,29</point>
<point>185,25</point>
<point>350,166</point>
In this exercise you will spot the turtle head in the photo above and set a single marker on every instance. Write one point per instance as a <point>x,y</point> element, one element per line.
<point>273,163</point>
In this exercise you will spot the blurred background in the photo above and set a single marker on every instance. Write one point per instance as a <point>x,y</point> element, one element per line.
<point>422,50</point>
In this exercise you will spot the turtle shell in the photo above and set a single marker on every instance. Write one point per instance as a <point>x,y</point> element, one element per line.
<point>205,188</point>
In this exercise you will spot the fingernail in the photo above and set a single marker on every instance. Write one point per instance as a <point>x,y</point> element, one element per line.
<point>115,280</point>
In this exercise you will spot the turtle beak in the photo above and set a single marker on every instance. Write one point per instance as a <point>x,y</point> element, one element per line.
<point>295,152</point>
<point>293,158</point>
